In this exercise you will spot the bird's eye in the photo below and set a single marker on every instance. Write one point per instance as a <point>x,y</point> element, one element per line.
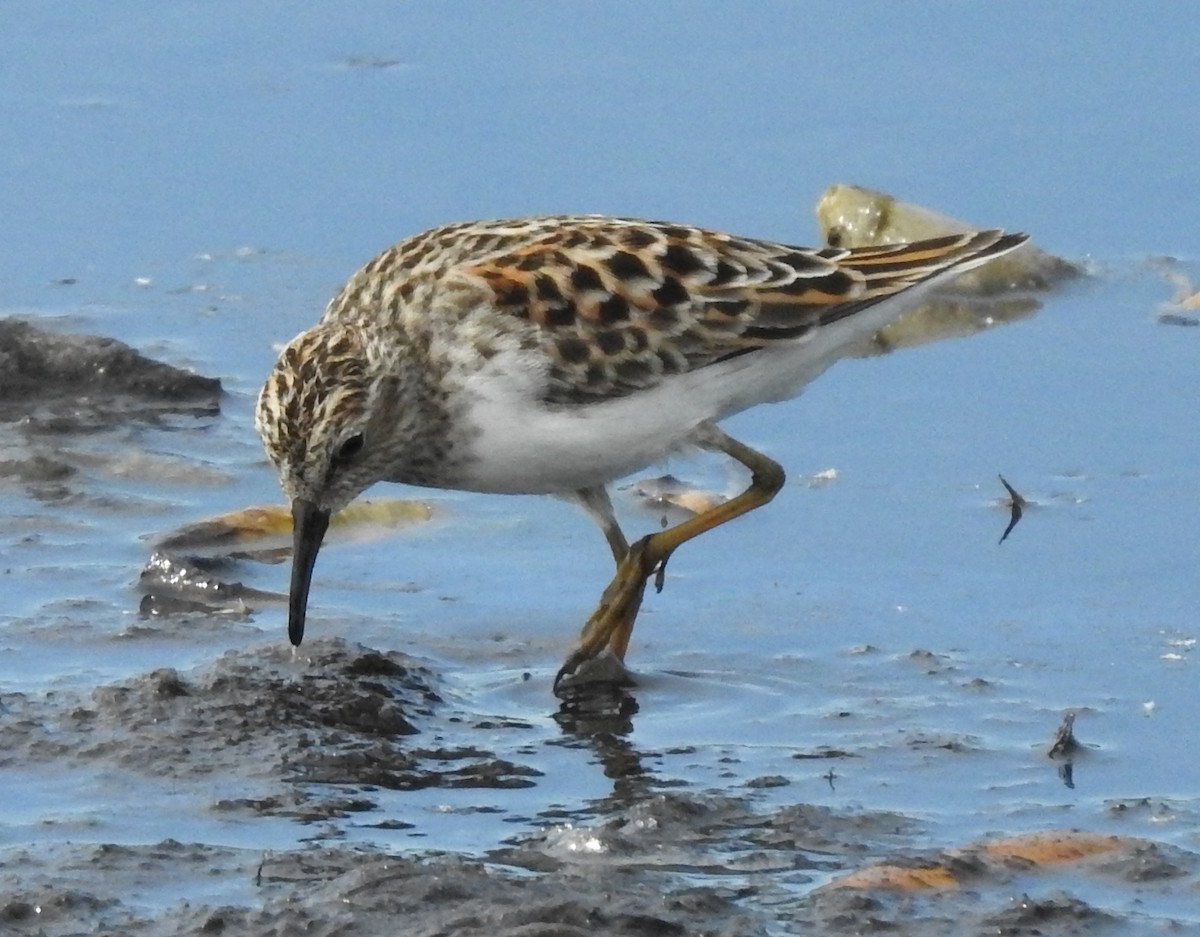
<point>351,447</point>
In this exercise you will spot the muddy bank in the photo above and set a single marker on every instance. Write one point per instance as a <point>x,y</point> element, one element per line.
<point>106,378</point>
<point>327,720</point>
<point>58,389</point>
<point>345,892</point>
<point>330,736</point>
<point>178,889</point>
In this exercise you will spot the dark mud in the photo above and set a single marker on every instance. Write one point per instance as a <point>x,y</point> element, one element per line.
<point>343,891</point>
<point>329,717</point>
<point>348,892</point>
<point>71,379</point>
<point>58,387</point>
<point>319,736</point>
<point>176,585</point>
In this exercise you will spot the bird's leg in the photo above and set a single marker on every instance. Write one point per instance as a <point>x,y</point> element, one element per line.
<point>597,505</point>
<point>611,625</point>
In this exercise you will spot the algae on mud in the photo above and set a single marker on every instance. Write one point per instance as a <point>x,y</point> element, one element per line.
<point>1003,290</point>
<point>853,216</point>
<point>263,531</point>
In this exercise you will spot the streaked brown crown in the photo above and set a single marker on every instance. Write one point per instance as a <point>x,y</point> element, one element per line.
<point>319,385</point>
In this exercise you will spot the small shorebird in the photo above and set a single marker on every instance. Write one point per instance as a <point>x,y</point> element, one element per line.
<point>554,355</point>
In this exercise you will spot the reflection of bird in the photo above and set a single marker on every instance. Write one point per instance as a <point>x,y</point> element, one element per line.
<point>554,355</point>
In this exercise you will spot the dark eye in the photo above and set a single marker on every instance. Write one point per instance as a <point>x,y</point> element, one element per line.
<point>351,447</point>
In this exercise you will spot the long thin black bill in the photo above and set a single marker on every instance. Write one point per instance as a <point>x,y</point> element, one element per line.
<point>309,524</point>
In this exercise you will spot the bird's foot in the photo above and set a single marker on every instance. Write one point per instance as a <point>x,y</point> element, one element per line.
<point>611,624</point>
<point>583,673</point>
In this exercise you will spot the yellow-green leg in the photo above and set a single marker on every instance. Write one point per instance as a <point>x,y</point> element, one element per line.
<point>611,625</point>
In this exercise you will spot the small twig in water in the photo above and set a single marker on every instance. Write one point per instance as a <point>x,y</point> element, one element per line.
<point>1017,503</point>
<point>1064,744</point>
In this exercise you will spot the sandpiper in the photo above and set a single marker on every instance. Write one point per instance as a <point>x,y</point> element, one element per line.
<point>553,355</point>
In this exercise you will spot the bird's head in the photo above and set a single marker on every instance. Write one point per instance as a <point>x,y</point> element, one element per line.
<point>321,416</point>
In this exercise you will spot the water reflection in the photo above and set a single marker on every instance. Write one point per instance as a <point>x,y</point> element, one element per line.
<point>599,717</point>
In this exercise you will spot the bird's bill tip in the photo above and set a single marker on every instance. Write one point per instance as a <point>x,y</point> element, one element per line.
<point>309,523</point>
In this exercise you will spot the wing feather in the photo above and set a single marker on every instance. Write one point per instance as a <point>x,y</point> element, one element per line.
<point>620,304</point>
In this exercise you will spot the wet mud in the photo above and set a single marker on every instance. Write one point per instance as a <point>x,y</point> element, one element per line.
<point>73,380</point>
<point>59,388</point>
<point>340,891</point>
<point>321,735</point>
<point>329,891</point>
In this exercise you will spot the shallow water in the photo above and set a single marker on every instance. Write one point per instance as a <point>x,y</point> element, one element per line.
<point>197,180</point>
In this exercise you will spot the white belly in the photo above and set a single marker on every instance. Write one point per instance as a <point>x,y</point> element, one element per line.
<point>540,450</point>
<point>521,446</point>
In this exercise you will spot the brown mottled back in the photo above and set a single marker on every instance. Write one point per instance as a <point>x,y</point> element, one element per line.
<point>621,303</point>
